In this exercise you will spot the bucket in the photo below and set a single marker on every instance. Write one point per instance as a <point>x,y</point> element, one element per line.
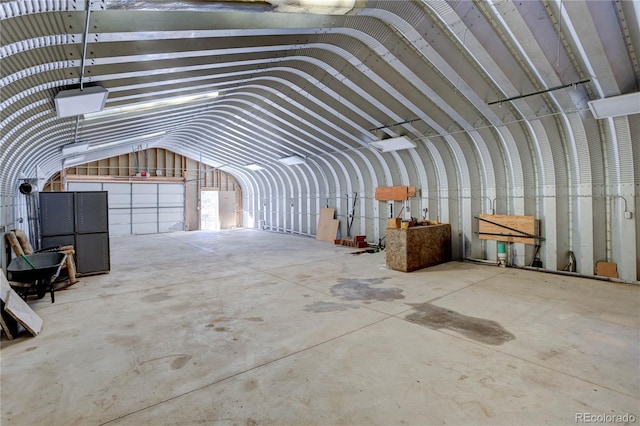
<point>502,254</point>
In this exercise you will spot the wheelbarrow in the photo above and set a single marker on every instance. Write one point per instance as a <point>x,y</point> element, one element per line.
<point>38,270</point>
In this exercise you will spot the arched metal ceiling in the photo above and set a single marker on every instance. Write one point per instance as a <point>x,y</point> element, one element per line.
<point>316,78</point>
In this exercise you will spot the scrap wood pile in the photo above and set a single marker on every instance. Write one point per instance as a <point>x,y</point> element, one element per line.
<point>358,241</point>
<point>328,231</point>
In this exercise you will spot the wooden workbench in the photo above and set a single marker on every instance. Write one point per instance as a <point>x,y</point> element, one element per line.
<point>418,247</point>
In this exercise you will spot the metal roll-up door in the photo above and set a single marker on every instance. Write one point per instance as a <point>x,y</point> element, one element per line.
<point>119,208</point>
<point>144,208</point>
<point>140,208</point>
<point>170,207</point>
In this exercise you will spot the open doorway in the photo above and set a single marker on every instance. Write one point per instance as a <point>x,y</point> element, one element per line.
<point>217,210</point>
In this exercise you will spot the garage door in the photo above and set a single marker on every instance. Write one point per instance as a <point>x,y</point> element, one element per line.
<point>140,208</point>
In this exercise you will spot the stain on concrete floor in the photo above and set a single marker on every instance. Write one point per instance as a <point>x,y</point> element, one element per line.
<point>361,289</point>
<point>122,340</point>
<point>478,329</point>
<point>156,297</point>
<point>180,362</point>
<point>319,307</point>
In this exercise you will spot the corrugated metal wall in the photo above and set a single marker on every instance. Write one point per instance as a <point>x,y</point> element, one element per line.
<point>323,86</point>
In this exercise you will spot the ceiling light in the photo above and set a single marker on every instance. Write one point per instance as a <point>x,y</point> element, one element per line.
<point>77,101</point>
<point>143,106</point>
<point>254,167</point>
<point>71,161</point>
<point>393,144</point>
<point>320,7</point>
<point>199,5</point>
<point>616,106</point>
<point>124,141</point>
<point>293,160</point>
<point>74,148</point>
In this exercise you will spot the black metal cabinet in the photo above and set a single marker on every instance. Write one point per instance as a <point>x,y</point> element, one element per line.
<point>81,219</point>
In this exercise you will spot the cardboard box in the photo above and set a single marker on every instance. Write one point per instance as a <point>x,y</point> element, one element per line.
<point>394,222</point>
<point>607,269</point>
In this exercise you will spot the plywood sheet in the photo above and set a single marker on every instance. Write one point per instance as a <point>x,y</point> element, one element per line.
<point>392,193</point>
<point>4,286</point>
<point>8,324</point>
<point>327,228</point>
<point>498,230</point>
<point>333,230</point>
<point>22,313</point>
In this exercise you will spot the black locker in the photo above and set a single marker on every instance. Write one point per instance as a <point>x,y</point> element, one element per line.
<point>91,212</point>
<point>92,252</point>
<point>58,240</point>
<point>57,215</point>
<point>81,219</point>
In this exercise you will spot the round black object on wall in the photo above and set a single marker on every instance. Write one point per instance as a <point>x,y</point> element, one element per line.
<point>26,188</point>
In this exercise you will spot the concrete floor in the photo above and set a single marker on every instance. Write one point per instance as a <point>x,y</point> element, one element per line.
<point>246,327</point>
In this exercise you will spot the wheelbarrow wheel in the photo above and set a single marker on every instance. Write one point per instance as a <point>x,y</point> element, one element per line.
<point>41,290</point>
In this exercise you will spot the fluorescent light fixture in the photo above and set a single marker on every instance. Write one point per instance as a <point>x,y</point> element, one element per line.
<point>77,102</point>
<point>71,161</point>
<point>74,148</point>
<point>254,167</point>
<point>616,106</point>
<point>125,141</point>
<point>393,144</point>
<point>292,161</point>
<point>143,106</point>
<point>320,7</point>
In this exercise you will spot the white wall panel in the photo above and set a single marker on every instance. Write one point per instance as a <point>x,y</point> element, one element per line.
<point>84,186</point>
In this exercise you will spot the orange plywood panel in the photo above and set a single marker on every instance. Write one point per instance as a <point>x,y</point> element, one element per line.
<point>392,193</point>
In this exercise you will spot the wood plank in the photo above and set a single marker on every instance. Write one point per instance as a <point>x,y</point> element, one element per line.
<point>392,193</point>
<point>13,242</point>
<point>524,224</point>
<point>325,230</point>
<point>21,312</point>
